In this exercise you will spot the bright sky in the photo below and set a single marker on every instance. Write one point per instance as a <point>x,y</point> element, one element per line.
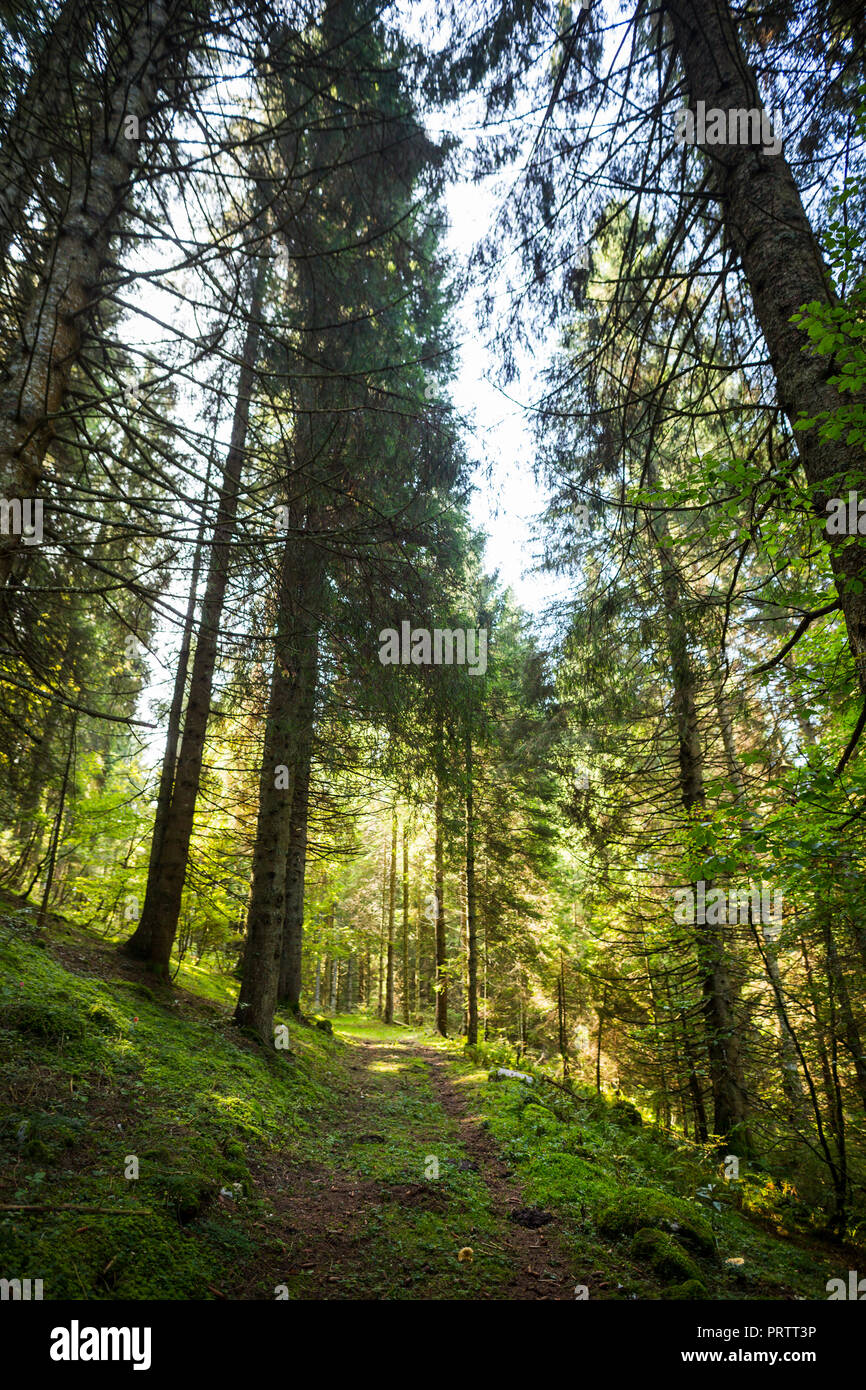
<point>501,435</point>
<point>506,502</point>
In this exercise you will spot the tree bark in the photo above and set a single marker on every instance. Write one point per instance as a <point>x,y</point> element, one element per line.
<point>58,825</point>
<point>717,986</point>
<point>699,1114</point>
<point>766,223</point>
<point>850,1029</point>
<point>407,984</point>
<point>392,902</point>
<point>419,944</point>
<point>169,757</point>
<point>791,1080</point>
<point>40,109</point>
<point>439,892</point>
<point>561,1018</point>
<point>291,957</point>
<point>154,936</point>
<point>380,1002</point>
<point>260,980</point>
<point>471,913</point>
<point>36,377</point>
<point>598,1041</point>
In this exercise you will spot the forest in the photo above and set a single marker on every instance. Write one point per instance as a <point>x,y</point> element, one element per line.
<point>432,848</point>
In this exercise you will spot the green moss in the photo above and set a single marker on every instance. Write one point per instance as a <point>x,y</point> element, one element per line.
<point>184,1194</point>
<point>539,1120</point>
<point>574,1142</point>
<point>45,1021</point>
<point>178,1089</point>
<point>664,1255</point>
<point>623,1113</point>
<point>42,1137</point>
<point>38,1151</point>
<point>135,987</point>
<point>181,1088</point>
<point>692,1288</point>
<point>107,1020</point>
<point>236,1172</point>
<point>636,1207</point>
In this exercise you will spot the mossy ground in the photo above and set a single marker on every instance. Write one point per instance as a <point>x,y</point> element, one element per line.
<point>609,1179</point>
<point>98,1070</point>
<point>334,1170</point>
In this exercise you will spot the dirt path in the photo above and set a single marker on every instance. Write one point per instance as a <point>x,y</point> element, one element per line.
<point>540,1267</point>
<point>399,1180</point>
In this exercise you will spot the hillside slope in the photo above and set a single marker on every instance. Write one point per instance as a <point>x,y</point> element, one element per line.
<point>378,1163</point>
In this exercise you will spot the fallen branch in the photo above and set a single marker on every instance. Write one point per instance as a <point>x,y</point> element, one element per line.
<point>565,1089</point>
<point>532,1078</point>
<point>96,1211</point>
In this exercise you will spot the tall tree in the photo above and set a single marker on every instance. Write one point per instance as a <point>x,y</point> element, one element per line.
<point>155,933</point>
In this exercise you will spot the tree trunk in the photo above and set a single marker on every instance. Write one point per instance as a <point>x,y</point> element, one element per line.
<point>791,1081</point>
<point>419,939</point>
<point>407,984</point>
<point>39,111</point>
<point>154,936</point>
<point>169,757</point>
<point>439,892</point>
<point>40,763</point>
<point>260,980</point>
<point>471,915</point>
<point>392,902</point>
<point>296,861</point>
<point>697,1095</point>
<point>719,995</point>
<point>380,1003</point>
<point>458,997</point>
<point>561,1019</point>
<point>57,827</point>
<point>598,1041</point>
<point>764,219</point>
<point>850,1028</point>
<point>37,375</point>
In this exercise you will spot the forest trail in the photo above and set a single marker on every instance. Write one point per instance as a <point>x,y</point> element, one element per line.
<point>355,1167</point>
<point>389,1221</point>
<point>422,596</point>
